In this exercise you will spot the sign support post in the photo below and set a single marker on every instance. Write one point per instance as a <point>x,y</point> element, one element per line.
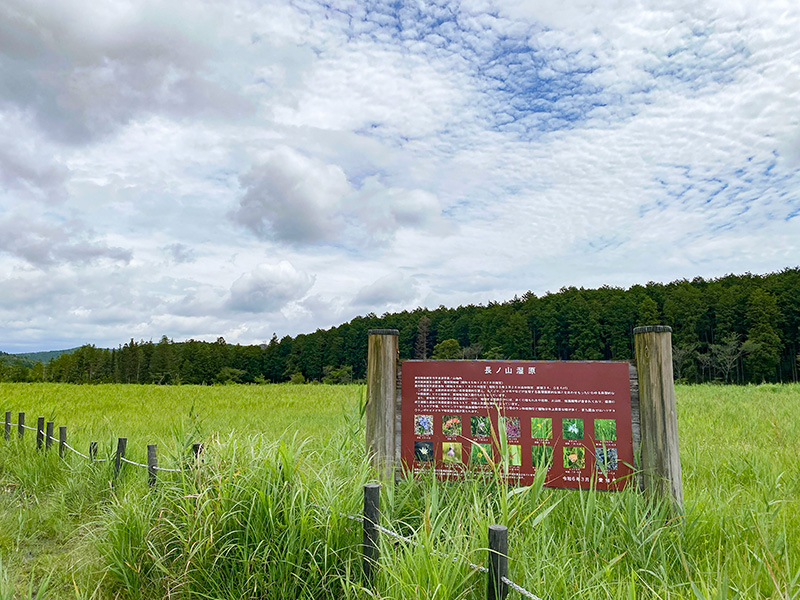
<point>661,464</point>
<point>382,358</point>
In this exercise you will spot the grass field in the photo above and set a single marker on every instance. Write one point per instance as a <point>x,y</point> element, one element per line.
<point>247,523</point>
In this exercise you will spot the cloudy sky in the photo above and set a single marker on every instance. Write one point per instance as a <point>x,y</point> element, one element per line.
<point>240,168</point>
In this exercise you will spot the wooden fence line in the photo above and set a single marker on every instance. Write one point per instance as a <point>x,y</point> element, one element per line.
<point>497,583</point>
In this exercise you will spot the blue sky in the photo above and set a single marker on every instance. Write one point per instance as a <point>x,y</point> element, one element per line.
<point>243,168</point>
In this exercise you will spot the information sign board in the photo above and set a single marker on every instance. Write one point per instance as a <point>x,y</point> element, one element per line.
<point>571,418</point>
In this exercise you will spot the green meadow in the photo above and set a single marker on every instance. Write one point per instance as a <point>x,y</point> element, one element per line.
<point>261,515</point>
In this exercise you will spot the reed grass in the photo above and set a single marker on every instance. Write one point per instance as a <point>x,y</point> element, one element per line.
<point>261,516</point>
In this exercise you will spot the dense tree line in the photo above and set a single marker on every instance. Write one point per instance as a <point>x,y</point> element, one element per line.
<point>737,328</point>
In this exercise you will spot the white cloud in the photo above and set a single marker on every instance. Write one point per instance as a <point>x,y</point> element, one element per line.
<point>389,291</point>
<point>269,288</point>
<point>292,198</point>
<point>330,158</point>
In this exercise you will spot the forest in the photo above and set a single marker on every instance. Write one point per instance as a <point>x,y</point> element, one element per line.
<point>732,329</point>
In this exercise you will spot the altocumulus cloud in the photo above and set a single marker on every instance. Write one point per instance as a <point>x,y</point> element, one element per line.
<point>292,198</point>
<point>300,199</point>
<point>44,244</point>
<point>268,288</point>
<point>159,160</point>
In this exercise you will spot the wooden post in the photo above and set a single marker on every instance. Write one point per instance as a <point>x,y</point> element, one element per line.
<point>21,424</point>
<point>661,462</point>
<point>498,562</point>
<point>372,512</point>
<point>39,432</point>
<point>122,443</point>
<point>197,450</point>
<point>62,440</point>
<point>49,436</point>
<point>8,425</point>
<point>92,451</point>
<point>382,357</point>
<point>152,464</point>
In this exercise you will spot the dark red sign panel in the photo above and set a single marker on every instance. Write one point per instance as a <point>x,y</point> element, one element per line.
<point>571,418</point>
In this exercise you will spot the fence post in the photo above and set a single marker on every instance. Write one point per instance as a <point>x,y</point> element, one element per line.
<point>382,357</point>
<point>661,461</point>
<point>498,562</point>
<point>121,445</point>
<point>62,440</point>
<point>21,424</point>
<point>92,451</point>
<point>8,425</point>
<point>197,450</point>
<point>49,437</point>
<point>39,432</point>
<point>372,499</point>
<point>152,464</point>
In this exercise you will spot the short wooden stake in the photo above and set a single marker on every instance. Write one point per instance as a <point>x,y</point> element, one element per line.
<point>92,451</point>
<point>8,425</point>
<point>197,450</point>
<point>372,499</point>
<point>39,432</point>
<point>661,461</point>
<point>498,562</point>
<point>382,358</point>
<point>21,424</point>
<point>49,437</point>
<point>152,464</point>
<point>62,440</point>
<point>122,443</point>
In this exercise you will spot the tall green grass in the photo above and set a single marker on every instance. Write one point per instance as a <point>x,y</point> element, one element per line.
<point>260,516</point>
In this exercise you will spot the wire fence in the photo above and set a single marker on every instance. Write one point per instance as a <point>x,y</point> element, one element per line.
<point>498,581</point>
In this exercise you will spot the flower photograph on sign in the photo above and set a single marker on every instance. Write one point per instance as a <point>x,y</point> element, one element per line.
<point>480,454</point>
<point>514,455</point>
<point>451,452</point>
<point>605,429</point>
<point>479,426</point>
<point>451,425</point>
<point>606,459</point>
<point>423,424</point>
<point>511,426</point>
<point>423,451</point>
<point>574,457</point>
<point>541,428</point>
<point>572,429</point>
<point>542,456</point>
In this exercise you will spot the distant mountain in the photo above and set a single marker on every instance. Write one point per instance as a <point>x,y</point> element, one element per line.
<point>31,358</point>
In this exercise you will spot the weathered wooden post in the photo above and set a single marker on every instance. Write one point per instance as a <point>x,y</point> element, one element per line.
<point>661,462</point>
<point>8,425</point>
<point>20,424</point>
<point>39,432</point>
<point>92,451</point>
<point>152,464</point>
<point>62,440</point>
<point>122,443</point>
<point>197,450</point>
<point>382,358</point>
<point>372,511</point>
<point>498,562</point>
<point>49,436</point>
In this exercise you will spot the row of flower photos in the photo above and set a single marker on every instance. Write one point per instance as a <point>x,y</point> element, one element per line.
<point>571,418</point>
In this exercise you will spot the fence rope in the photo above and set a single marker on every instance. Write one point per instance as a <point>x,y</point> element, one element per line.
<point>168,470</point>
<point>130,462</point>
<point>81,454</point>
<point>381,528</point>
<point>68,447</point>
<point>136,464</point>
<point>514,586</point>
<point>519,589</point>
